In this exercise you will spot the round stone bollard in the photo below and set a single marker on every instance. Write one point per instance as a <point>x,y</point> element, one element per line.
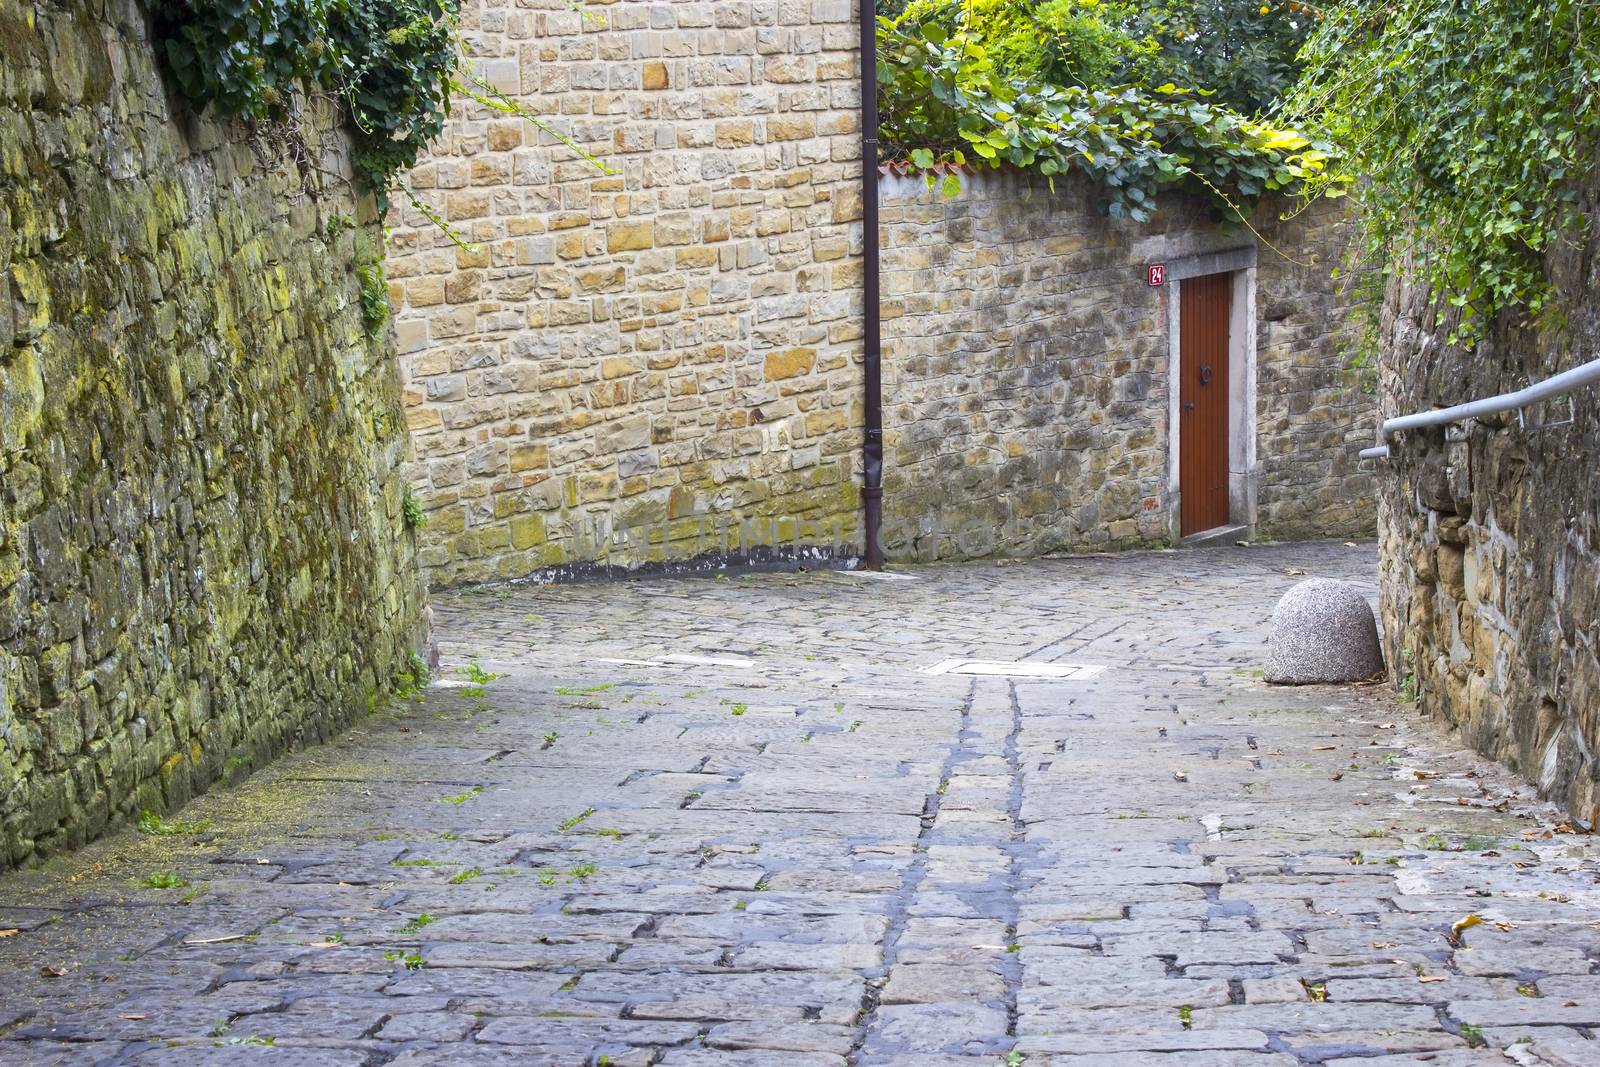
<point>1323,631</point>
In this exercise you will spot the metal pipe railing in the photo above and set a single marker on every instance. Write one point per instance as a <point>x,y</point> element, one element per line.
<point>1555,385</point>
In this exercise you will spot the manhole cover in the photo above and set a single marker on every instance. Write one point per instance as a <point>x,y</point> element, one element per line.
<point>1003,669</point>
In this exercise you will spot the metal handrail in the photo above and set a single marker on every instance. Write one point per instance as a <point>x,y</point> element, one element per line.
<point>1555,385</point>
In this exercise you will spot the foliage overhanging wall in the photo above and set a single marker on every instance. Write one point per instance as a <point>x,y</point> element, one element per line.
<point>203,558</point>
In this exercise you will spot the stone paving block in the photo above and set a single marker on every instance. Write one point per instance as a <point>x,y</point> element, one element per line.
<point>1359,1044</point>
<point>1524,1011</point>
<point>746,1058</point>
<point>434,1026</point>
<point>1156,995</point>
<point>1513,961</point>
<point>1134,1040</point>
<point>1565,1050</point>
<point>1279,990</point>
<point>1313,1017</point>
<point>954,1027</point>
<point>210,1056</point>
<point>1455,1057</point>
<point>1189,1058</point>
<point>934,983</point>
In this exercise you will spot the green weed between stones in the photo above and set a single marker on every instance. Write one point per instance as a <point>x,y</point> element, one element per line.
<point>411,509</point>
<point>569,823</point>
<point>156,826</point>
<point>580,691</point>
<point>416,924</point>
<point>164,880</point>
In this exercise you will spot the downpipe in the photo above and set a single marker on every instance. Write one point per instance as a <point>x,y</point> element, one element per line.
<point>872,328</point>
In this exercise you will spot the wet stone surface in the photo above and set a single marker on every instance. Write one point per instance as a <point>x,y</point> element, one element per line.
<point>769,838</point>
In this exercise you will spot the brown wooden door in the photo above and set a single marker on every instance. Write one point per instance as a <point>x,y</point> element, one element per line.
<point>1205,305</point>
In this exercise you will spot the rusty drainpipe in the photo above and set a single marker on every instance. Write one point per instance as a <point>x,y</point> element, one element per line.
<point>872,361</point>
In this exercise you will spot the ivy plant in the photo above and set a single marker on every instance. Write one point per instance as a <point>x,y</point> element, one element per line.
<point>1473,126</point>
<point>944,99</point>
<point>392,67</point>
<point>388,63</point>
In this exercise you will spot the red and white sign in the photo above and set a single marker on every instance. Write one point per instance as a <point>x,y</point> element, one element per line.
<point>1158,274</point>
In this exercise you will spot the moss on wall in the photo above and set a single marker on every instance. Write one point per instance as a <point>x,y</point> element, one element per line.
<point>203,559</point>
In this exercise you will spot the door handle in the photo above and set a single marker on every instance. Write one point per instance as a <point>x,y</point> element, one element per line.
<point>1188,407</point>
<point>1205,374</point>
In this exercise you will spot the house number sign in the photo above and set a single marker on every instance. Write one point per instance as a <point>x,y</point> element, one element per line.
<point>1158,274</point>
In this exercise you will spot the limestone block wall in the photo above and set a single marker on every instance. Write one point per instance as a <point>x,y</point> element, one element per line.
<point>663,362</point>
<point>659,362</point>
<point>1026,370</point>
<point>1490,535</point>
<point>202,552</point>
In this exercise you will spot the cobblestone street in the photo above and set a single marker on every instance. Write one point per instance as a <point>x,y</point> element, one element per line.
<point>707,821</point>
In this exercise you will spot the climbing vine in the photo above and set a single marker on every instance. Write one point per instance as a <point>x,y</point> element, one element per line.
<point>391,66</point>
<point>954,90</point>
<point>1473,125</point>
<point>388,63</point>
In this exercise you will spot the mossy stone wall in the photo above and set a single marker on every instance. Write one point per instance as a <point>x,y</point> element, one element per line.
<point>202,554</point>
<point>1490,530</point>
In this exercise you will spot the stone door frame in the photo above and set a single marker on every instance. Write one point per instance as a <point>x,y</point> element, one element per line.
<point>1242,474</point>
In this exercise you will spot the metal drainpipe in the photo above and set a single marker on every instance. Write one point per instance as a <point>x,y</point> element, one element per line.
<point>872,361</point>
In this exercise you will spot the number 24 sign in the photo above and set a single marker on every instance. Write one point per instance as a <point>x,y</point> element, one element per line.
<point>1158,274</point>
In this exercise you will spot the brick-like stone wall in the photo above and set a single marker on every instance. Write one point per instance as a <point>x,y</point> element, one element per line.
<point>664,362</point>
<point>1490,534</point>
<point>1026,370</point>
<point>202,552</point>
<point>669,352</point>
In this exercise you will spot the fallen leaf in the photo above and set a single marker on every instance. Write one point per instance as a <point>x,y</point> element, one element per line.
<point>1465,922</point>
<point>51,971</point>
<point>1425,774</point>
<point>1179,776</point>
<point>132,1016</point>
<point>1323,748</point>
<point>1433,978</point>
<point>1350,544</point>
<point>1386,726</point>
<point>262,861</point>
<point>325,944</point>
<point>1505,926</point>
<point>1335,776</point>
<point>9,933</point>
<point>215,940</point>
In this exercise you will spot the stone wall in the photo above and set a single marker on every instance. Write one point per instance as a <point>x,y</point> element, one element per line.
<point>663,362</point>
<point>202,551</point>
<point>1026,371</point>
<point>1491,535</point>
<point>670,352</point>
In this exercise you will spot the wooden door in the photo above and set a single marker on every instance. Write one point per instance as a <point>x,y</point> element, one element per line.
<point>1205,305</point>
